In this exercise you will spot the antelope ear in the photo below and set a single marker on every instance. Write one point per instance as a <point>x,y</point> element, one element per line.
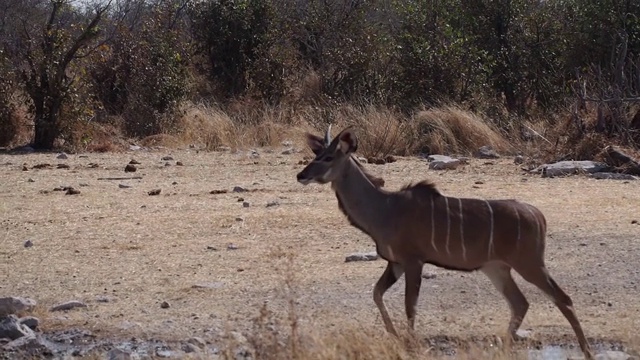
<point>348,141</point>
<point>316,143</point>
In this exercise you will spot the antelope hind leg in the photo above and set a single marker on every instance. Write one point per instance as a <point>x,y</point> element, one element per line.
<point>500,276</point>
<point>388,278</point>
<point>540,277</point>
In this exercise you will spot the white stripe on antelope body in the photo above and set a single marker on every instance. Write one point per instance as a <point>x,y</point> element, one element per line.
<point>412,227</point>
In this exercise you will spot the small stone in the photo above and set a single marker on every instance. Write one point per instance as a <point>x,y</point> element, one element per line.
<point>69,305</point>
<point>213,248</point>
<point>634,222</point>
<point>134,162</point>
<point>163,353</point>
<point>118,354</point>
<point>216,192</point>
<point>212,285</point>
<point>167,158</point>
<point>62,156</point>
<point>135,147</point>
<point>14,304</point>
<point>232,246</point>
<point>288,151</point>
<point>124,186</point>
<point>273,203</point>
<point>239,219</point>
<point>479,182</point>
<point>390,159</point>
<point>240,199</point>
<point>442,162</point>
<point>31,180</point>
<point>428,275</point>
<point>197,341</point>
<point>376,160</point>
<point>238,189</point>
<point>518,160</point>
<point>246,204</point>
<point>165,305</point>
<point>130,168</point>
<point>167,164</point>
<point>28,243</point>
<point>103,299</point>
<point>25,168</point>
<point>83,184</point>
<point>63,166</point>
<point>72,191</point>
<point>190,348</point>
<point>370,256</point>
<point>154,192</point>
<point>179,163</point>
<point>486,152</point>
<point>31,322</point>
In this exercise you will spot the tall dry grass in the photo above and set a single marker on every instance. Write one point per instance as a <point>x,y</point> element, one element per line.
<point>452,130</point>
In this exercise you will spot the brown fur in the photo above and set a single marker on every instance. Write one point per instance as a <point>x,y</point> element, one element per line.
<point>418,225</point>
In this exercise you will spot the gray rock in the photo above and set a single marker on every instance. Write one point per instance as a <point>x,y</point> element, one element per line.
<point>163,353</point>
<point>68,305</point>
<point>197,341</point>
<point>288,151</point>
<point>189,348</point>
<point>369,256</point>
<point>239,189</point>
<point>135,147</point>
<point>246,204</point>
<point>31,322</point>
<point>12,305</point>
<point>31,344</point>
<point>28,243</point>
<point>273,203</point>
<point>442,162</point>
<point>613,355</point>
<point>569,167</point>
<point>124,186</point>
<point>62,156</point>
<point>232,246</point>
<point>612,176</point>
<point>165,305</point>
<point>486,152</point>
<point>518,160</point>
<point>211,285</point>
<point>167,158</point>
<point>11,328</point>
<point>117,354</point>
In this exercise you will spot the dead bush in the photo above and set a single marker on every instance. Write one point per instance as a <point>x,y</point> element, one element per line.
<point>453,130</point>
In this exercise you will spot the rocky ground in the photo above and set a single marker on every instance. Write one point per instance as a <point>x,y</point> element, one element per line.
<point>172,253</point>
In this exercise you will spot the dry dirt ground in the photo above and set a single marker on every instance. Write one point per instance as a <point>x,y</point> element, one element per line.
<point>137,251</point>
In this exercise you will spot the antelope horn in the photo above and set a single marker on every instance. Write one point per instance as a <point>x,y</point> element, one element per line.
<point>327,136</point>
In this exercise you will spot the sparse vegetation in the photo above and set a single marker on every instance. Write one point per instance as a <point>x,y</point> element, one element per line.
<point>264,68</point>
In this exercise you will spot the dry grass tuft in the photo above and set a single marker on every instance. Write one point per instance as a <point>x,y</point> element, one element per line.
<point>207,126</point>
<point>452,130</point>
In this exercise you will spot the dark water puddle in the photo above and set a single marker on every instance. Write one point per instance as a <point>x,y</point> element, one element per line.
<point>603,349</point>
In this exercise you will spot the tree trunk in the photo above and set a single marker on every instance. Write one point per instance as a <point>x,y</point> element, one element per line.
<point>45,134</point>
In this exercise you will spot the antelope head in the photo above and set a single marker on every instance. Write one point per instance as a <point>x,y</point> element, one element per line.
<point>331,156</point>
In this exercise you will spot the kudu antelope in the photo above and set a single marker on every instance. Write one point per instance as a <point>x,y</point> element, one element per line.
<point>418,225</point>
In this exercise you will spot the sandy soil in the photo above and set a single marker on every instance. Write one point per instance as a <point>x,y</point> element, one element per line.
<point>138,251</point>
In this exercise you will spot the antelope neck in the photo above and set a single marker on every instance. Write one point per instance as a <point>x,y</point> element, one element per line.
<point>367,207</point>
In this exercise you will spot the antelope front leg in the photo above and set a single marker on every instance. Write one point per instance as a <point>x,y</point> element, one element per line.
<point>388,278</point>
<point>413,280</point>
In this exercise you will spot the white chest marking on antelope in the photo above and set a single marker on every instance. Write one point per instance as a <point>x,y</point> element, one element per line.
<point>490,249</point>
<point>464,249</point>
<point>433,226</point>
<point>446,202</point>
